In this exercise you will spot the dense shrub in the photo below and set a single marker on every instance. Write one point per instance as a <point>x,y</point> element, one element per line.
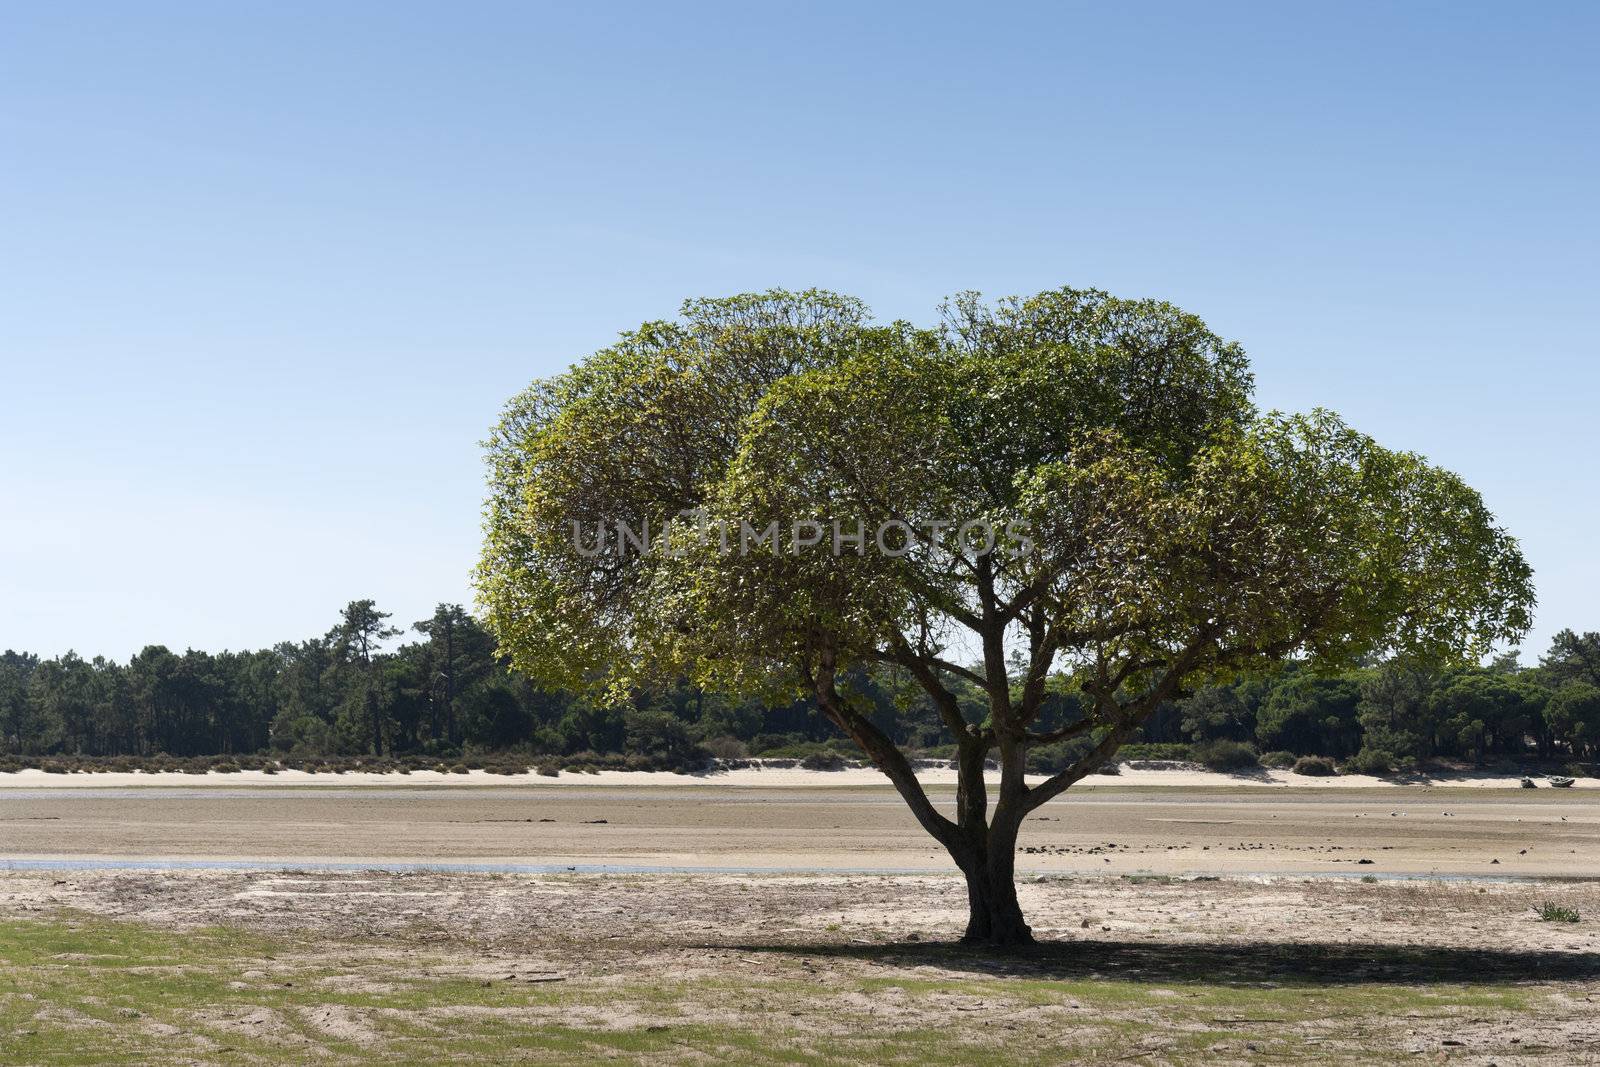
<point>823,761</point>
<point>1279,759</point>
<point>1225,755</point>
<point>1146,750</point>
<point>1315,767</point>
<point>1375,761</point>
<point>726,747</point>
<point>795,751</point>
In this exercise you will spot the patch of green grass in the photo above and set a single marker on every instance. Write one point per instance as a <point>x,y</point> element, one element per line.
<point>1551,912</point>
<point>79,990</point>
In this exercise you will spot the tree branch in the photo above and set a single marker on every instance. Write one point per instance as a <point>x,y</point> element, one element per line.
<point>882,751</point>
<point>944,701</point>
<point>903,657</point>
<point>1082,726</point>
<point>1129,719</point>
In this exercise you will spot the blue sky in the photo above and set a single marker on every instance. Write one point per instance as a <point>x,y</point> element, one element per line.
<point>268,271</point>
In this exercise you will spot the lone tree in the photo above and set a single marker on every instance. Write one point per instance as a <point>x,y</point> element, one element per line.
<point>1151,530</point>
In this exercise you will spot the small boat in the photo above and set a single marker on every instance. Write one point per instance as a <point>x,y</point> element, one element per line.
<point>1527,783</point>
<point>1559,782</point>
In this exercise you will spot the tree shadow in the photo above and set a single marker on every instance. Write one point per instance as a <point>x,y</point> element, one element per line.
<point>1243,963</point>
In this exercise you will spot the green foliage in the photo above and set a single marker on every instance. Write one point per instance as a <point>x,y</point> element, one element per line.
<point>1551,912</point>
<point>359,719</point>
<point>1311,714</point>
<point>1573,657</point>
<point>1395,711</point>
<point>1145,750</point>
<point>1375,761</point>
<point>1049,759</point>
<point>726,747</point>
<point>1573,712</point>
<point>664,736</point>
<point>491,716</point>
<point>292,695</point>
<point>1181,513</point>
<point>457,657</point>
<point>1223,755</point>
<point>1315,767</point>
<point>1219,712</point>
<point>1478,709</point>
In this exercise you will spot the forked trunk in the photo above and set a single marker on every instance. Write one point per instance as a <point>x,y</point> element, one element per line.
<point>984,850</point>
<point>985,853</point>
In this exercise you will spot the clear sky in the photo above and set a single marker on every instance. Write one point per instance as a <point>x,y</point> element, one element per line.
<point>269,270</point>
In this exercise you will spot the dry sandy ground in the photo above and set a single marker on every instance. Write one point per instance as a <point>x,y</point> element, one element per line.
<point>1106,826</point>
<point>555,915</point>
<point>1225,971</point>
<point>1271,962</point>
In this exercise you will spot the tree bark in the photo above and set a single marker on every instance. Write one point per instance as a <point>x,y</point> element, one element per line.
<point>984,850</point>
<point>994,916</point>
<point>985,856</point>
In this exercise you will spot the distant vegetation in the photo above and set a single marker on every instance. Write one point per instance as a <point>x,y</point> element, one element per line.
<point>444,700</point>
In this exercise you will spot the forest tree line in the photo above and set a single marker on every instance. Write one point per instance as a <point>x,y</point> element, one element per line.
<point>445,692</point>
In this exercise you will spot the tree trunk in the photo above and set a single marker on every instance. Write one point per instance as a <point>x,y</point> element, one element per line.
<point>992,912</point>
<point>985,857</point>
<point>983,850</point>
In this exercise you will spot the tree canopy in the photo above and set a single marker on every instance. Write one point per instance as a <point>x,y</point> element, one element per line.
<point>1143,528</point>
